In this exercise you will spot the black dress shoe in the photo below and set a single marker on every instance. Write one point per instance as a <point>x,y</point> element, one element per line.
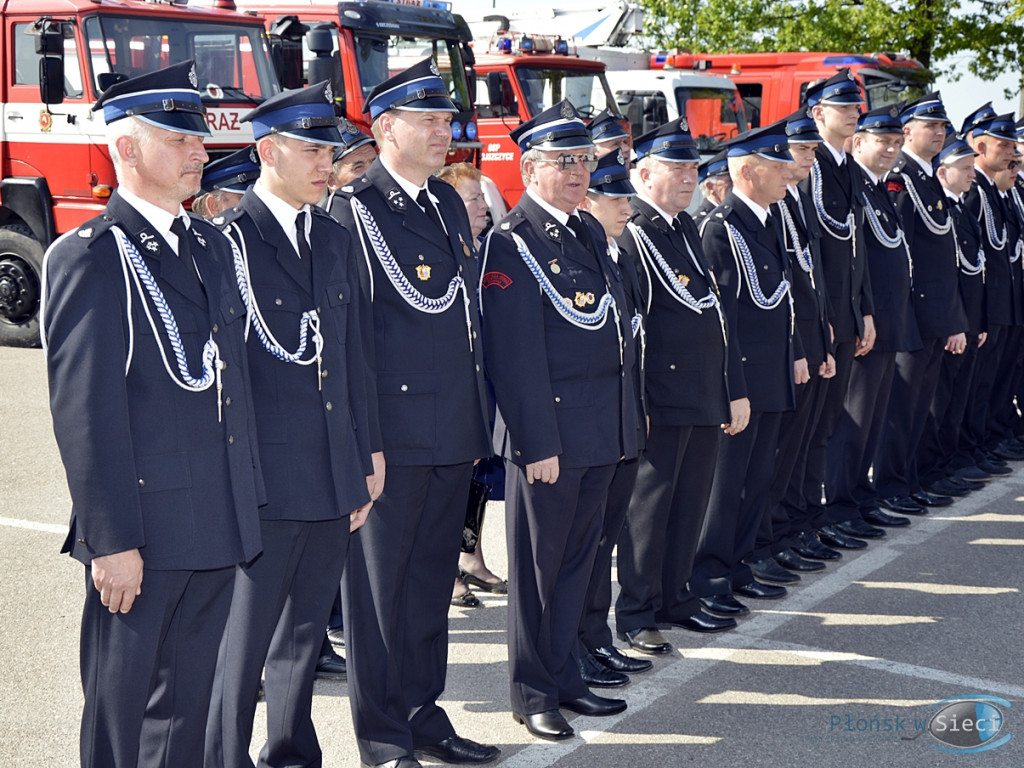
<point>456,749</point>
<point>973,472</point>
<point>878,517</point>
<point>336,637</point>
<point>400,762</point>
<point>947,486</point>
<point>996,470</point>
<point>902,505</point>
<point>550,725</point>
<point>331,666</point>
<point>724,606</point>
<point>1007,452</point>
<point>702,622</point>
<point>991,458</point>
<point>965,484</point>
<point>833,537</point>
<point>860,529</point>
<point>792,561</point>
<point>926,499</point>
<point>593,705</point>
<point>760,591</point>
<point>646,640</point>
<point>610,657</point>
<point>596,675</point>
<point>810,546</point>
<point>770,572</point>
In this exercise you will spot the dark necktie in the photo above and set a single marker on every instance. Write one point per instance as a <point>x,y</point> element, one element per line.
<point>428,207</point>
<point>580,230</point>
<point>184,249</point>
<point>305,255</point>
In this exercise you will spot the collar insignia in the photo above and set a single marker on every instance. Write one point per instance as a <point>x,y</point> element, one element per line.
<point>152,246</point>
<point>86,233</point>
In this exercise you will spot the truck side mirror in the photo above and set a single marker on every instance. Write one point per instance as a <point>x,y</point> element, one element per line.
<point>320,42</point>
<point>51,80</point>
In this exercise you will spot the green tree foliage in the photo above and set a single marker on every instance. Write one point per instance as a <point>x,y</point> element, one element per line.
<point>927,30</point>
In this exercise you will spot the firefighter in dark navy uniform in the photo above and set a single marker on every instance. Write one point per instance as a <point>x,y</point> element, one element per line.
<point>743,244</point>
<point>714,182</point>
<point>560,354</point>
<point>316,417</point>
<point>144,337</point>
<point>687,394</point>
<point>417,265</point>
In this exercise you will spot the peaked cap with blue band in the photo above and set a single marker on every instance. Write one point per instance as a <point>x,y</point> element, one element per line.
<point>770,142</point>
<point>714,166</point>
<point>306,114</point>
<point>234,173</point>
<point>606,126</point>
<point>557,127</point>
<point>612,176</point>
<point>838,90</point>
<point>984,112</point>
<point>955,148</point>
<point>997,126</point>
<point>887,119</point>
<point>416,89</point>
<point>1019,127</point>
<point>351,139</point>
<point>801,128</point>
<point>671,143</point>
<point>167,98</point>
<point>928,107</point>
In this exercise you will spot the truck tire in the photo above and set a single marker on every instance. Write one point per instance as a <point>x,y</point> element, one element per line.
<point>21,268</point>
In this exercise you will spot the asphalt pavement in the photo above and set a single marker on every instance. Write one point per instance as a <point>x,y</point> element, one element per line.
<point>847,671</point>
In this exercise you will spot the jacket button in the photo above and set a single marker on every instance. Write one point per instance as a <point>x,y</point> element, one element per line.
<point>421,257</point>
<point>278,302</point>
<point>743,359</point>
<point>405,387</point>
<point>227,401</point>
<point>478,369</point>
<point>215,328</point>
<point>517,453</point>
<point>341,296</point>
<point>231,310</point>
<point>672,367</point>
<point>323,374</point>
<point>142,483</point>
<point>558,399</point>
<point>82,542</point>
<point>231,439</point>
<point>328,406</point>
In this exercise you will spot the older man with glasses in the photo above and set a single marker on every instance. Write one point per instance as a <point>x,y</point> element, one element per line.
<point>560,352</point>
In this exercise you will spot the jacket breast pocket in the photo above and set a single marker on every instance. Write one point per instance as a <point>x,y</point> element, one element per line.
<point>408,409</point>
<point>339,297</point>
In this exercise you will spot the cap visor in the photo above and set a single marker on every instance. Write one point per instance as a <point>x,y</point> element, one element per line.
<point>327,134</point>
<point>191,123</point>
<point>433,104</point>
<point>615,189</point>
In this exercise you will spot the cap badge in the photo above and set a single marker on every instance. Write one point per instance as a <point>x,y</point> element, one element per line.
<point>619,158</point>
<point>328,94</point>
<point>567,111</point>
<point>684,125</point>
<point>849,75</point>
<point>894,111</point>
<point>192,77</point>
<point>433,68</point>
<point>351,129</point>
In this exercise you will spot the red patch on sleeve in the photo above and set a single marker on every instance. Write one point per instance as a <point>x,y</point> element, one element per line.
<point>894,186</point>
<point>499,279</point>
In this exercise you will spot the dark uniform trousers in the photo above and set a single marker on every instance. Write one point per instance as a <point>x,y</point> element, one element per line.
<point>848,281</point>
<point>561,391</point>
<point>1004,417</point>
<point>1004,310</point>
<point>433,418</point>
<point>856,440</point>
<point>316,433</point>
<point>151,467</point>
<point>937,454</point>
<point>939,312</point>
<point>746,462</point>
<point>687,396</point>
<point>788,507</point>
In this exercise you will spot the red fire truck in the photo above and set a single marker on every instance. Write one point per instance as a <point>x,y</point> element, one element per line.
<point>358,43</point>
<point>772,84</point>
<point>521,76</point>
<point>56,57</point>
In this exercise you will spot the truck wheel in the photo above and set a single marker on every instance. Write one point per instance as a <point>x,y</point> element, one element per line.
<point>21,267</point>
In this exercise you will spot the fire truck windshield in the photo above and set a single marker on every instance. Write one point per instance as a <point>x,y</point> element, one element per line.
<point>891,87</point>
<point>544,87</point>
<point>378,58</point>
<point>232,61</point>
<point>715,115</point>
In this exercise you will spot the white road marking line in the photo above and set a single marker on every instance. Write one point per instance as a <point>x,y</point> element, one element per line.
<point>13,522</point>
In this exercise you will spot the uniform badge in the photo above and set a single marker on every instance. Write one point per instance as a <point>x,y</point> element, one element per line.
<point>551,230</point>
<point>505,226</point>
<point>499,279</point>
<point>152,246</point>
<point>347,188</point>
<point>200,239</point>
<point>218,220</point>
<point>567,301</point>
<point>553,264</point>
<point>423,271</point>
<point>939,205</point>
<point>146,236</point>
<point>85,233</point>
<point>584,299</point>
<point>192,78</point>
<point>684,279</point>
